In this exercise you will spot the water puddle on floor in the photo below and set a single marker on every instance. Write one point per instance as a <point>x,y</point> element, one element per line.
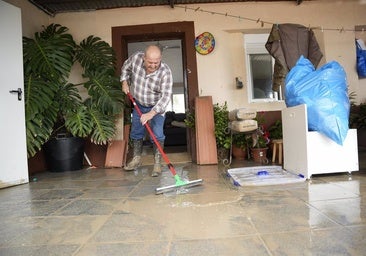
<point>210,202</point>
<point>191,196</point>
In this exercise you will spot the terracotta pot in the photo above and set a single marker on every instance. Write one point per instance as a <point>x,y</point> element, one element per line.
<point>239,153</point>
<point>260,155</point>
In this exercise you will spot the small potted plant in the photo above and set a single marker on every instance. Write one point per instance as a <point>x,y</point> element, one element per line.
<point>222,135</point>
<point>357,120</point>
<point>276,130</point>
<point>259,147</point>
<point>259,141</point>
<point>239,148</point>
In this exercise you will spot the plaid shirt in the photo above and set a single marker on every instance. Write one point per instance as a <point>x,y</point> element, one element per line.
<point>149,90</point>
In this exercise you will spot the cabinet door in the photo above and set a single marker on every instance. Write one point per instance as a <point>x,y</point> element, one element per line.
<point>295,148</point>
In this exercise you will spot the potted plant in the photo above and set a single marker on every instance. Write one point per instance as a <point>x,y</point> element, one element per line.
<point>221,119</point>
<point>54,107</point>
<point>275,130</point>
<point>357,120</point>
<point>239,145</point>
<point>222,134</point>
<point>358,116</point>
<point>259,141</point>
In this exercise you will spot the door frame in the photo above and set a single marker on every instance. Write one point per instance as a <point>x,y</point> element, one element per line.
<point>184,31</point>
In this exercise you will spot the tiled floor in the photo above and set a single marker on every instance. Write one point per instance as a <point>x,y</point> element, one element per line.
<point>111,212</point>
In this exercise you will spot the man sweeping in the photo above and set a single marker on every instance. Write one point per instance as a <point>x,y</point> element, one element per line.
<point>151,82</point>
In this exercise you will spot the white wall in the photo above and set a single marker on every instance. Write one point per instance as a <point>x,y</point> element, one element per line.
<point>217,71</point>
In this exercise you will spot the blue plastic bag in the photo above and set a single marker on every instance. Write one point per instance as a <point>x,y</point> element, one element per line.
<point>324,91</point>
<point>361,61</point>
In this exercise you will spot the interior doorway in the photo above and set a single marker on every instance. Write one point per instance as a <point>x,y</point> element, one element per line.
<point>182,32</point>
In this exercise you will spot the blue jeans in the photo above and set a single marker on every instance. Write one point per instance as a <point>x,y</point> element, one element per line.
<point>156,124</point>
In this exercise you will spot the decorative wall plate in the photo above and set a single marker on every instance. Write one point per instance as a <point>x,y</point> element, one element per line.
<point>204,43</point>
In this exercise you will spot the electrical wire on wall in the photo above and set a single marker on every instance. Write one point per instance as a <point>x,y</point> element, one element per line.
<point>263,22</point>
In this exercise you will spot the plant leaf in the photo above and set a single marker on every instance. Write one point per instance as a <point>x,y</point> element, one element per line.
<point>105,90</point>
<point>79,122</point>
<point>50,53</point>
<point>104,127</point>
<point>39,129</point>
<point>93,53</point>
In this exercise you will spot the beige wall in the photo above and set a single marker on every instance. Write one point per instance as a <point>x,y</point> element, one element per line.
<point>32,18</point>
<point>217,71</point>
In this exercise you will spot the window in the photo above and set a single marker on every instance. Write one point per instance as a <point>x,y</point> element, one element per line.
<point>259,65</point>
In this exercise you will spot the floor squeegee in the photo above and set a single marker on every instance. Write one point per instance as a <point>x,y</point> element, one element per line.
<point>179,183</point>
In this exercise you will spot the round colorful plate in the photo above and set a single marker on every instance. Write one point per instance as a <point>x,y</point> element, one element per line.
<point>204,43</point>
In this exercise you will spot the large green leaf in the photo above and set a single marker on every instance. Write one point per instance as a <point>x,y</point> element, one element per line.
<point>50,53</point>
<point>89,121</point>
<point>38,95</point>
<point>93,53</point>
<point>69,98</point>
<point>103,127</point>
<point>39,129</point>
<point>79,122</point>
<point>105,90</point>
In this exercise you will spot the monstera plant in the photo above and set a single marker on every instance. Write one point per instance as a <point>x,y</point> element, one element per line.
<point>53,105</point>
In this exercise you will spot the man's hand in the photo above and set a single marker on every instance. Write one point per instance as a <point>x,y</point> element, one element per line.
<point>147,117</point>
<point>125,87</point>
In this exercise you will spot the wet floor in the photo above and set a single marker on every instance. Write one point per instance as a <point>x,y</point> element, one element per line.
<point>112,212</point>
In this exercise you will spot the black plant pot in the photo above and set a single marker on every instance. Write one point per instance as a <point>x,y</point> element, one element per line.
<point>64,154</point>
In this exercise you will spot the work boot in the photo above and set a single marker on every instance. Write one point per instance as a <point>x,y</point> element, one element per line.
<point>157,159</point>
<point>136,159</point>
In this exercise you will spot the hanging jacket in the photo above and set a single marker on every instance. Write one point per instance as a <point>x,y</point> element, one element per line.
<point>286,43</point>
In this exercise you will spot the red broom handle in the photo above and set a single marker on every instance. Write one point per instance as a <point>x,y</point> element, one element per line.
<point>166,159</point>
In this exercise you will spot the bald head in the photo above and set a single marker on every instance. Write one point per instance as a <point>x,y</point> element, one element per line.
<point>153,51</point>
<point>152,58</point>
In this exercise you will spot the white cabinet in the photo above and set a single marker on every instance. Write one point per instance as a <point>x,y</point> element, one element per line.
<point>309,152</point>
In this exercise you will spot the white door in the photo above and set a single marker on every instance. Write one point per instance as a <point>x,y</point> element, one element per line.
<point>13,152</point>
